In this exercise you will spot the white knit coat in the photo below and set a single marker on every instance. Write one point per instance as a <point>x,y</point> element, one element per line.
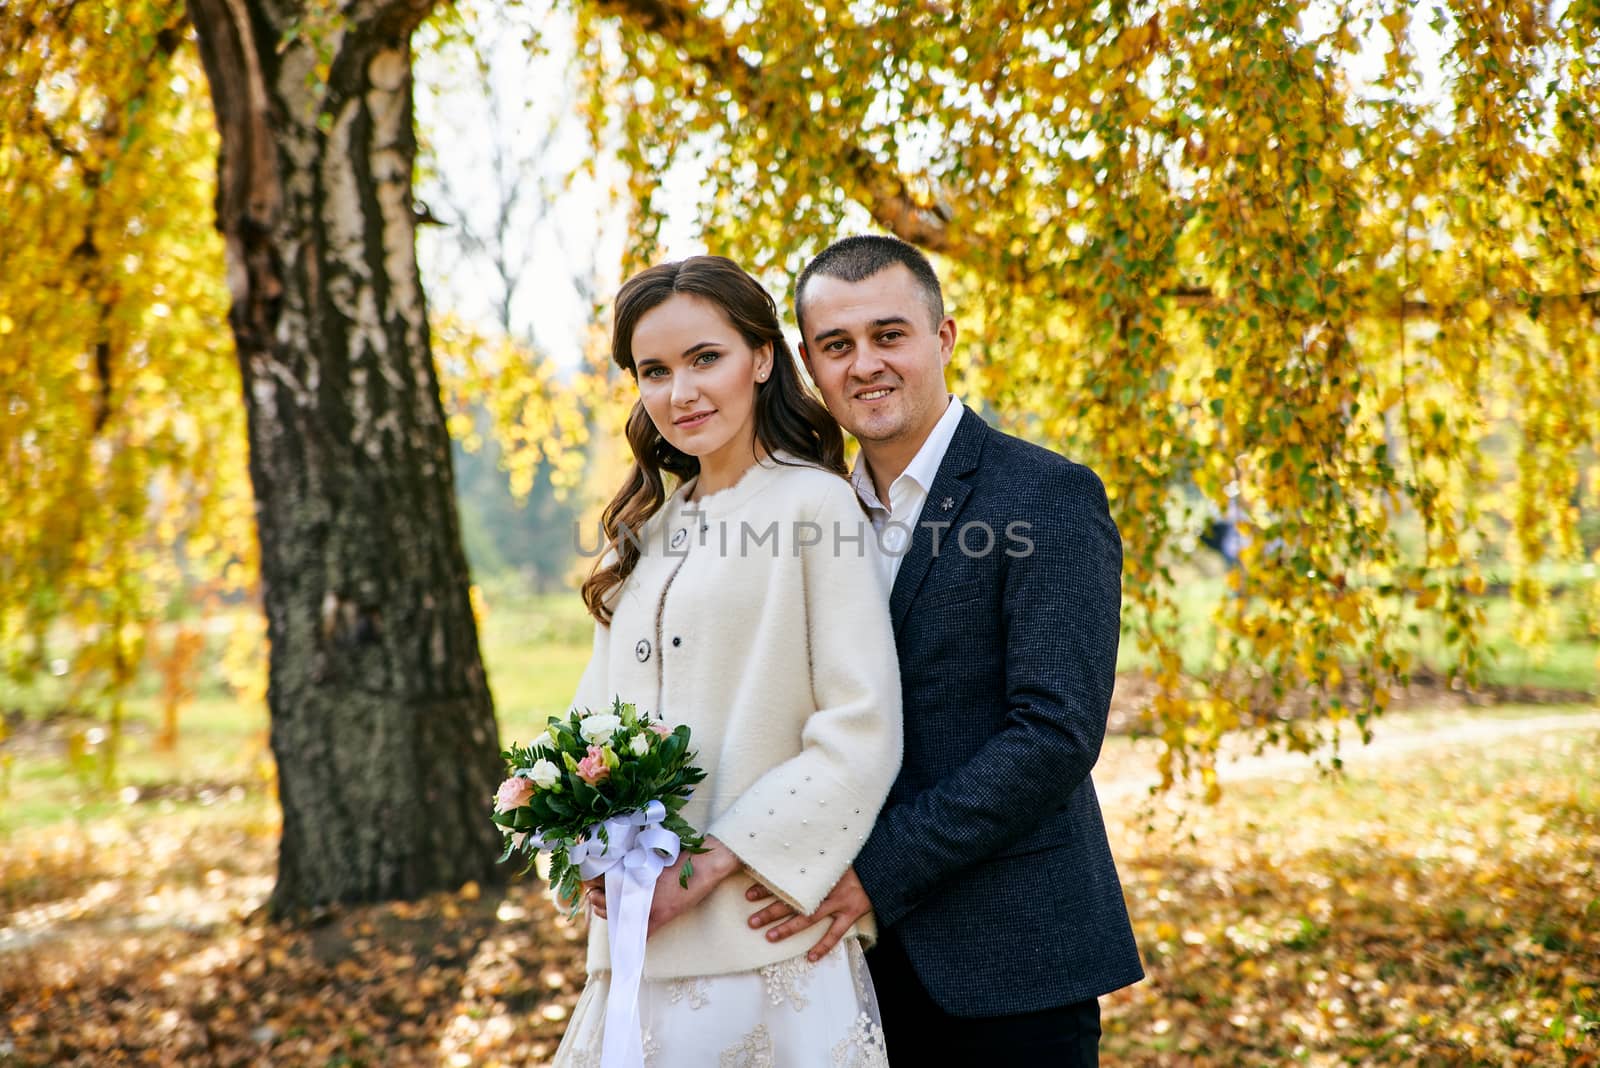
<point>758,617</point>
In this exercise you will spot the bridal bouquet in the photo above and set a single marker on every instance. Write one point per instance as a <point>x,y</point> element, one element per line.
<point>599,791</point>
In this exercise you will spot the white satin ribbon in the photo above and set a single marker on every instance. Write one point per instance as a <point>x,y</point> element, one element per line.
<point>632,855</point>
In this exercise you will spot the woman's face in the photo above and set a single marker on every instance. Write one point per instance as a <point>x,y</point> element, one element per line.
<point>697,377</point>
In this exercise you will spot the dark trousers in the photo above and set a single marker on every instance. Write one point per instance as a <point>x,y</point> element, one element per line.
<point>922,1035</point>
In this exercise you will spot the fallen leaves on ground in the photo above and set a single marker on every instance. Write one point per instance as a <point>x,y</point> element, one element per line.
<point>1444,910</point>
<point>155,952</point>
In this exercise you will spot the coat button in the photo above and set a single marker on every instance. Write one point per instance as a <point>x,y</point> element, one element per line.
<point>642,650</point>
<point>680,537</point>
<point>677,642</point>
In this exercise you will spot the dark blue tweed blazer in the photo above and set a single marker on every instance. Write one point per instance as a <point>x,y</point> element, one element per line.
<point>990,862</point>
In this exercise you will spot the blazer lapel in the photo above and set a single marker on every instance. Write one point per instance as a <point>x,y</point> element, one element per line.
<point>942,510</point>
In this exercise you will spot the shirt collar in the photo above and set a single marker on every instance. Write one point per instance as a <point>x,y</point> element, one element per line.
<point>924,466</point>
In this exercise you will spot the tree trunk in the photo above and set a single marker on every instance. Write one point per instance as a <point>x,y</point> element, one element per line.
<point>382,724</point>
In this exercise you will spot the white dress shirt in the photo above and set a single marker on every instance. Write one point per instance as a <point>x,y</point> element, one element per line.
<point>896,521</point>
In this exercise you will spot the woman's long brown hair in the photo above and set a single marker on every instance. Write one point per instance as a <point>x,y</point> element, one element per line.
<point>787,416</point>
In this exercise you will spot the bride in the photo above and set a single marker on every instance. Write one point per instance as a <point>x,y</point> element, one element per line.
<point>746,605</point>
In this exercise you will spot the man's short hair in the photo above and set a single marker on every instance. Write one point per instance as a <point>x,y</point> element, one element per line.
<point>855,259</point>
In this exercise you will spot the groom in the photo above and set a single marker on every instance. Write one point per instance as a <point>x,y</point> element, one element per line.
<point>1001,917</point>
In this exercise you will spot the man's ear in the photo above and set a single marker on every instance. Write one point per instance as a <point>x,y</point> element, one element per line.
<point>947,341</point>
<point>805,358</point>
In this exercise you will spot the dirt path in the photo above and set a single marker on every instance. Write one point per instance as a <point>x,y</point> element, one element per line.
<point>1131,774</point>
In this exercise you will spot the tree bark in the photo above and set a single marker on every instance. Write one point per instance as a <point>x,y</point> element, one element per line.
<point>382,724</point>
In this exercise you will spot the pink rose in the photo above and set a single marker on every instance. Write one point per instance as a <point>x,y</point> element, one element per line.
<point>592,768</point>
<point>661,729</point>
<point>513,793</point>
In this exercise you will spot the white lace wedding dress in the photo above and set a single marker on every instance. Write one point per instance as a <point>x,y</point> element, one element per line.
<point>793,1014</point>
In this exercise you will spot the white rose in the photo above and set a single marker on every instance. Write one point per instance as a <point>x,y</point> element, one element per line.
<point>544,774</point>
<point>596,730</point>
<point>544,741</point>
<point>640,745</point>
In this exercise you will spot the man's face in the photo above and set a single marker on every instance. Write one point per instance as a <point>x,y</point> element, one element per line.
<point>876,354</point>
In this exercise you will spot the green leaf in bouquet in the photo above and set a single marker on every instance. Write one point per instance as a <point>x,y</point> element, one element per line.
<point>569,893</point>
<point>564,880</point>
<point>566,737</point>
<point>691,839</point>
<point>582,793</point>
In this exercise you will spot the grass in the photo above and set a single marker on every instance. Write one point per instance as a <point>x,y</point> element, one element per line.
<point>535,648</point>
<point>1565,658</point>
<point>220,745</point>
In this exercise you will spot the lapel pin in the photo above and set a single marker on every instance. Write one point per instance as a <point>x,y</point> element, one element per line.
<point>948,503</point>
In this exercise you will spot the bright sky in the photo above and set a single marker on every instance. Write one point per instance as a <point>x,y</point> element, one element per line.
<point>564,233</point>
